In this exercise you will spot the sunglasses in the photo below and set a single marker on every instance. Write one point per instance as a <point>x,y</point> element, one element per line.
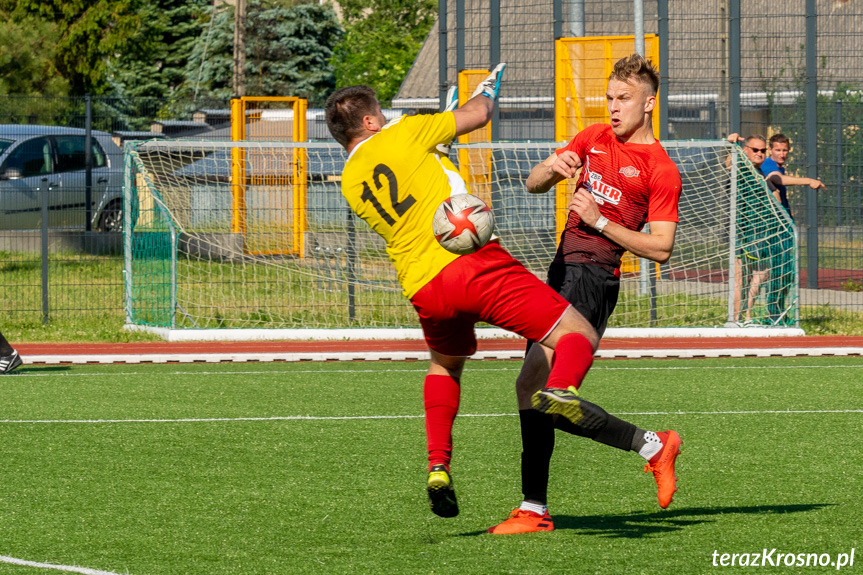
<point>759,150</point>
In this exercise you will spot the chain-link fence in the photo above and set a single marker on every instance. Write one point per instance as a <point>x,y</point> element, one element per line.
<point>754,67</point>
<point>61,178</point>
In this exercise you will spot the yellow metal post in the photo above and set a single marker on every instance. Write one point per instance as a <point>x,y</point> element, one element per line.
<point>474,165</point>
<point>582,68</point>
<point>300,179</point>
<point>272,235</point>
<point>238,167</point>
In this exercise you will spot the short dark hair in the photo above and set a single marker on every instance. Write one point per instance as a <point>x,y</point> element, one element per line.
<point>346,109</point>
<point>636,66</point>
<point>779,139</point>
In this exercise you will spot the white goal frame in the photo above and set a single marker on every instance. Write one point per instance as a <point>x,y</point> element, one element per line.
<point>714,205</point>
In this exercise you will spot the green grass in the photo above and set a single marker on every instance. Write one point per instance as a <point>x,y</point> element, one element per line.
<point>345,495</point>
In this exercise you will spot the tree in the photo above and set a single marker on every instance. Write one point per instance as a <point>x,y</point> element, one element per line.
<point>382,40</point>
<point>288,52</point>
<point>28,54</point>
<point>291,51</point>
<point>153,62</point>
<point>88,33</point>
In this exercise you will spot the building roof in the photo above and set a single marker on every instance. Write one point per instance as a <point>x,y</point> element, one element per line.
<point>772,47</point>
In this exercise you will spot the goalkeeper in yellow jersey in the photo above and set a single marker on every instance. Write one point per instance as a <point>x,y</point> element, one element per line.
<point>394,181</point>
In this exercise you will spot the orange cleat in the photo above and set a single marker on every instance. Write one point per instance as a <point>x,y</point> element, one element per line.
<point>662,467</point>
<point>522,521</point>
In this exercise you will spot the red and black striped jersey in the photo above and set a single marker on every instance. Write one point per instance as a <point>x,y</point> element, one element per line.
<point>632,183</point>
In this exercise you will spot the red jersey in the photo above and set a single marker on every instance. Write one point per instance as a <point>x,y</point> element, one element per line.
<point>632,183</point>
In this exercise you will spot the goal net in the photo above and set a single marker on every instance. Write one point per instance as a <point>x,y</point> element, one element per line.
<point>197,240</point>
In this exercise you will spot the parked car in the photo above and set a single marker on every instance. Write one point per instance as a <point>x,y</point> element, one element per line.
<point>51,160</point>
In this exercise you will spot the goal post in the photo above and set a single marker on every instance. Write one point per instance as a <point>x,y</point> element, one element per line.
<point>187,272</point>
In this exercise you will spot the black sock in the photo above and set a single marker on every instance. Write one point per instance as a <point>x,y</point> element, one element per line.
<point>599,425</point>
<point>5,348</point>
<point>638,440</point>
<point>537,439</point>
<point>617,433</point>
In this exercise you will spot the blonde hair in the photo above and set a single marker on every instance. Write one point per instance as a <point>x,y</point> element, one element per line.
<point>635,66</point>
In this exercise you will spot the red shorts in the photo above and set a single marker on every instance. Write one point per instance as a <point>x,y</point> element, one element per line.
<point>491,286</point>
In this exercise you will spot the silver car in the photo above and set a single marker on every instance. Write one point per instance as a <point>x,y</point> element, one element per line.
<point>37,160</point>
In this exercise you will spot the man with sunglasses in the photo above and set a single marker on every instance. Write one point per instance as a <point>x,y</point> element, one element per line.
<point>752,264</point>
<point>754,147</point>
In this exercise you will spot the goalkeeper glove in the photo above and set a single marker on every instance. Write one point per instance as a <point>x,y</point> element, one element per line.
<point>451,104</point>
<point>451,100</point>
<point>491,85</point>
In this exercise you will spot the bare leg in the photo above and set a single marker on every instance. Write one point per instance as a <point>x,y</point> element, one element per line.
<point>758,277</point>
<point>738,287</point>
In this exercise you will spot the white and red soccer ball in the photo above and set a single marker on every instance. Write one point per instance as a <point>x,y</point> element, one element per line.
<point>462,224</point>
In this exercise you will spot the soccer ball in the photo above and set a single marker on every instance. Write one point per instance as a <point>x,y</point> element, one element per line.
<point>462,224</point>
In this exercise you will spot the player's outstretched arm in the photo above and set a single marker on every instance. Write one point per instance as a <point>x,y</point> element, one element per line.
<point>554,169</point>
<point>795,181</point>
<point>477,112</point>
<point>451,104</point>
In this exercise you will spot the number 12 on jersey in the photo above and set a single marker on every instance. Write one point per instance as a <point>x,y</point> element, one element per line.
<point>399,207</point>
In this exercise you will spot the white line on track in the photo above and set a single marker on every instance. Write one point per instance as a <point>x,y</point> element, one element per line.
<point>469,369</point>
<point>67,568</point>
<point>380,417</point>
<point>517,353</point>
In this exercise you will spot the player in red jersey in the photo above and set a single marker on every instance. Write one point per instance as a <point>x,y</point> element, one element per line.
<point>626,180</point>
<point>394,180</point>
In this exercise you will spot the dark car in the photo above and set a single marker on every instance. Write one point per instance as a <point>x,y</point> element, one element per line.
<point>51,160</point>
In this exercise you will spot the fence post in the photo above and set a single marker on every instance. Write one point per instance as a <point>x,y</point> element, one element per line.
<point>442,61</point>
<point>44,194</point>
<point>88,162</point>
<point>662,10</point>
<point>459,36</point>
<point>352,274</point>
<point>734,64</point>
<point>557,17</point>
<point>840,181</point>
<point>494,57</point>
<point>811,143</point>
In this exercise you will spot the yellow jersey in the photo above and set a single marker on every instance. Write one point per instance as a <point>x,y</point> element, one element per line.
<point>395,182</point>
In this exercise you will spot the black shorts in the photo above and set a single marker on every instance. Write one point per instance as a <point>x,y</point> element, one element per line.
<point>591,289</point>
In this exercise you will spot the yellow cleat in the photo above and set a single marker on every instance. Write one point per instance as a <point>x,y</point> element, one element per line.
<point>441,493</point>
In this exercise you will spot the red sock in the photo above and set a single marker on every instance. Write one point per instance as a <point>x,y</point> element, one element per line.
<point>572,357</point>
<point>441,394</point>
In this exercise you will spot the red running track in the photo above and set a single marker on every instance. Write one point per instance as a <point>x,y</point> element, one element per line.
<point>31,349</point>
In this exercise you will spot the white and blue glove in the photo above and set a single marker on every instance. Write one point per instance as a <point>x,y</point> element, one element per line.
<point>491,85</point>
<point>451,99</point>
<point>451,102</point>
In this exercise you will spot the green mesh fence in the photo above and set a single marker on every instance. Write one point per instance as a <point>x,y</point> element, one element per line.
<point>151,254</point>
<point>766,254</point>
